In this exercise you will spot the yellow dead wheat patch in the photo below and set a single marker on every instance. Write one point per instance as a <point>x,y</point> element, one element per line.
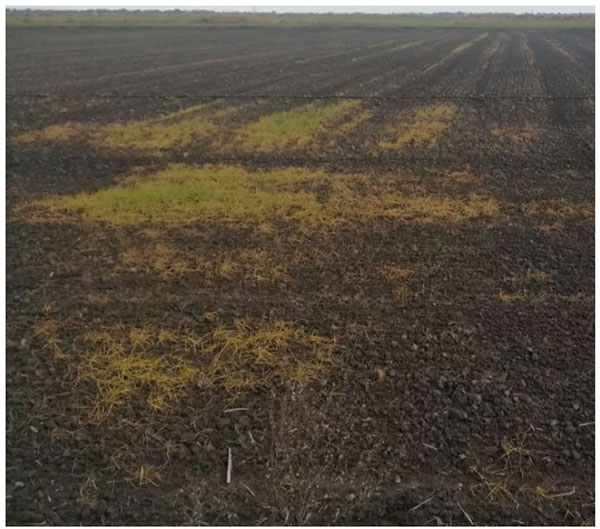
<point>119,374</point>
<point>529,276</point>
<point>460,177</point>
<point>54,133</point>
<point>394,273</point>
<point>423,127</point>
<point>160,364</point>
<point>396,276</point>
<point>538,298</point>
<point>125,364</point>
<point>247,355</point>
<point>256,266</point>
<point>173,130</point>
<point>560,208</point>
<point>516,134</point>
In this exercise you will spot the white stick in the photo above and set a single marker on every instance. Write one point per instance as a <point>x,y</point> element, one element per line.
<point>465,513</point>
<point>421,504</point>
<point>229,465</point>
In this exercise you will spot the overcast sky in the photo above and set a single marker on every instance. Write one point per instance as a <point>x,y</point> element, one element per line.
<point>350,9</point>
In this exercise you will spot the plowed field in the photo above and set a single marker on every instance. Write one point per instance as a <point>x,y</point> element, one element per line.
<point>356,264</point>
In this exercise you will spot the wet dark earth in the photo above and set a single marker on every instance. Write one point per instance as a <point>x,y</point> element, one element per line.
<point>458,386</point>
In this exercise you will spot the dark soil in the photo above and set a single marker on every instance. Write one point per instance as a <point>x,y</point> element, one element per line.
<point>449,405</point>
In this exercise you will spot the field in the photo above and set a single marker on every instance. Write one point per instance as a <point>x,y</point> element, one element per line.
<point>350,269</point>
<point>210,19</point>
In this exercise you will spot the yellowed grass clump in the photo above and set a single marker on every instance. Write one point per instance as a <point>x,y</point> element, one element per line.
<point>48,331</point>
<point>350,123</point>
<point>153,135</point>
<point>99,298</point>
<point>119,375</point>
<point>396,276</point>
<point>248,355</point>
<point>180,194</point>
<point>544,297</point>
<point>459,177</point>
<point>157,257</point>
<point>529,276</point>
<point>559,208</point>
<point>432,208</point>
<point>516,134</point>
<point>54,133</point>
<point>256,266</point>
<point>294,128</point>
<point>394,273</point>
<point>525,288</point>
<point>423,127</point>
<point>161,365</point>
<point>550,228</point>
<point>357,119</point>
<point>88,493</point>
<point>173,130</point>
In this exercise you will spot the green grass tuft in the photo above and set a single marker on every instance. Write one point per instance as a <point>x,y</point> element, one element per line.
<point>291,128</point>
